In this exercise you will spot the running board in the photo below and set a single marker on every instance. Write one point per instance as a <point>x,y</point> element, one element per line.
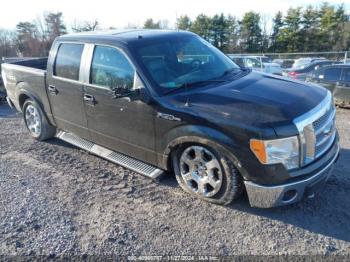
<point>115,157</point>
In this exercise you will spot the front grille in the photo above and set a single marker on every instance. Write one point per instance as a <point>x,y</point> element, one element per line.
<point>325,132</point>
<point>319,123</point>
<point>317,130</point>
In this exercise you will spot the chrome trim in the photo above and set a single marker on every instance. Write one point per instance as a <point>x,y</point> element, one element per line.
<point>9,102</point>
<point>113,156</point>
<point>272,196</point>
<point>330,118</point>
<point>88,62</point>
<point>307,133</point>
<point>311,116</point>
<point>328,145</point>
<point>82,60</point>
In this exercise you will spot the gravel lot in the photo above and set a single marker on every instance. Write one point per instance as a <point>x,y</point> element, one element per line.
<point>56,200</point>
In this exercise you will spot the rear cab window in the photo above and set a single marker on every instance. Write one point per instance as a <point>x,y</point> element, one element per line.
<point>67,63</point>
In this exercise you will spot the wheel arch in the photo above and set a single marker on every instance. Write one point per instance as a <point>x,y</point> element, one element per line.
<point>201,135</point>
<point>24,94</point>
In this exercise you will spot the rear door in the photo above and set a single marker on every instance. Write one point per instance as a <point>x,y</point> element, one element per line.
<point>65,88</point>
<point>123,124</point>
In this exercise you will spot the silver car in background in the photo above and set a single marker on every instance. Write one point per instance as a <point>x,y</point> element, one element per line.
<point>257,63</point>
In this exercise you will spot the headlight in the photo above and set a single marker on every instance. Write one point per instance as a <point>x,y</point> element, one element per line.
<point>284,151</point>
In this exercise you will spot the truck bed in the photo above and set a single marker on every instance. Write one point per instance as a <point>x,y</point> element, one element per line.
<point>28,75</point>
<point>38,63</point>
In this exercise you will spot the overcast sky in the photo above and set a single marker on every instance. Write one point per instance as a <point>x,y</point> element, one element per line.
<point>120,14</point>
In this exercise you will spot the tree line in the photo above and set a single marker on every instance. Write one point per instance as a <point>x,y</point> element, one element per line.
<point>35,38</point>
<point>309,29</point>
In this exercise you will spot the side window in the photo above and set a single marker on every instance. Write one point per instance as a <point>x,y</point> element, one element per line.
<point>332,74</point>
<point>67,64</point>
<point>110,68</point>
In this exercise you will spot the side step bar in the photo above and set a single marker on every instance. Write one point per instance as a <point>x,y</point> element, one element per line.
<point>115,157</point>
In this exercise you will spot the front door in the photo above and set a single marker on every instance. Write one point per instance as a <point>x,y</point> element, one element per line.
<point>65,90</point>
<point>123,124</point>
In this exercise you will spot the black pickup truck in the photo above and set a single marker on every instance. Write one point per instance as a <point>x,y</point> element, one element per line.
<point>156,101</point>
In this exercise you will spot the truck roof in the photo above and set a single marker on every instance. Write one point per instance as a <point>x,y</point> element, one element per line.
<point>126,36</point>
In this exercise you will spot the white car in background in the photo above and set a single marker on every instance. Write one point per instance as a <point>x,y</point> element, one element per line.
<point>257,63</point>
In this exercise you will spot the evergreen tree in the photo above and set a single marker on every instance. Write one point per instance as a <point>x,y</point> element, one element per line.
<point>250,32</point>
<point>310,31</point>
<point>54,25</point>
<point>201,26</point>
<point>150,24</point>
<point>276,46</point>
<point>290,35</point>
<point>184,23</point>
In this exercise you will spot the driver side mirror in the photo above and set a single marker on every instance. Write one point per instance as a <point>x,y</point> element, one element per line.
<point>120,92</point>
<point>132,94</point>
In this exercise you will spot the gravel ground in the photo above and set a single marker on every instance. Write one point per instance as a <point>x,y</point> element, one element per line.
<point>56,200</point>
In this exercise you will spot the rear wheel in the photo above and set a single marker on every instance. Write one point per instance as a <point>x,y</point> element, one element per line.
<point>205,173</point>
<point>36,122</point>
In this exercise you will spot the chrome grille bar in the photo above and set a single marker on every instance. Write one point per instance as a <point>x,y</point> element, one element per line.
<point>316,130</point>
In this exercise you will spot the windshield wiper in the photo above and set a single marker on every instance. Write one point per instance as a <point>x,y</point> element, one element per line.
<point>196,83</point>
<point>228,71</point>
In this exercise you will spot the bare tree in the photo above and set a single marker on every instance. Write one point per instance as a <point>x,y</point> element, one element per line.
<point>85,26</point>
<point>7,43</point>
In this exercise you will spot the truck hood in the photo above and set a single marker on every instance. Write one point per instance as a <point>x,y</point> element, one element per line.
<point>256,99</point>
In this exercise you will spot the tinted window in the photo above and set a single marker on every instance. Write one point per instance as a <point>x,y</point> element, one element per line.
<point>67,63</point>
<point>347,75</point>
<point>332,74</point>
<point>110,68</point>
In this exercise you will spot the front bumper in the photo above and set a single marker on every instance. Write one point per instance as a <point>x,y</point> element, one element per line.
<point>9,102</point>
<point>272,196</point>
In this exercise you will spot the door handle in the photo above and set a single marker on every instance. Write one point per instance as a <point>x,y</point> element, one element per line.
<point>52,90</point>
<point>89,99</point>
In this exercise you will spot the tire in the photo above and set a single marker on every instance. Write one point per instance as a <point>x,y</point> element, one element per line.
<point>36,122</point>
<point>222,181</point>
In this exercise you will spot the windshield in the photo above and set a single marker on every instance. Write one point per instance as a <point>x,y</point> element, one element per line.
<point>184,61</point>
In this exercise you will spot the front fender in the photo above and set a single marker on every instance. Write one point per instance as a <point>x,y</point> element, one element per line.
<point>199,135</point>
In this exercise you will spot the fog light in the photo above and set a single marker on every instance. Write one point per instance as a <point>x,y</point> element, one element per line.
<point>289,195</point>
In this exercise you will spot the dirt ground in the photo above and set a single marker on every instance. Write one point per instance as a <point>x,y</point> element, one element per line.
<point>57,200</point>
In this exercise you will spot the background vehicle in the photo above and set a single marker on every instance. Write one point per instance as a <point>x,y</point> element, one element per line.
<point>154,100</point>
<point>305,61</point>
<point>263,59</point>
<point>257,64</point>
<point>335,78</point>
<point>284,63</point>
<point>303,72</point>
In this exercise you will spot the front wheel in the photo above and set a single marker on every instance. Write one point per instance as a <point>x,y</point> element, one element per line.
<point>36,122</point>
<point>205,173</point>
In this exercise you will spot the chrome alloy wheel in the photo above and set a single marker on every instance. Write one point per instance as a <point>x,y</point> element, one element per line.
<point>201,171</point>
<point>33,120</point>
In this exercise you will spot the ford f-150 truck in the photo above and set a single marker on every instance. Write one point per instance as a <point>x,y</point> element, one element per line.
<point>156,101</point>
